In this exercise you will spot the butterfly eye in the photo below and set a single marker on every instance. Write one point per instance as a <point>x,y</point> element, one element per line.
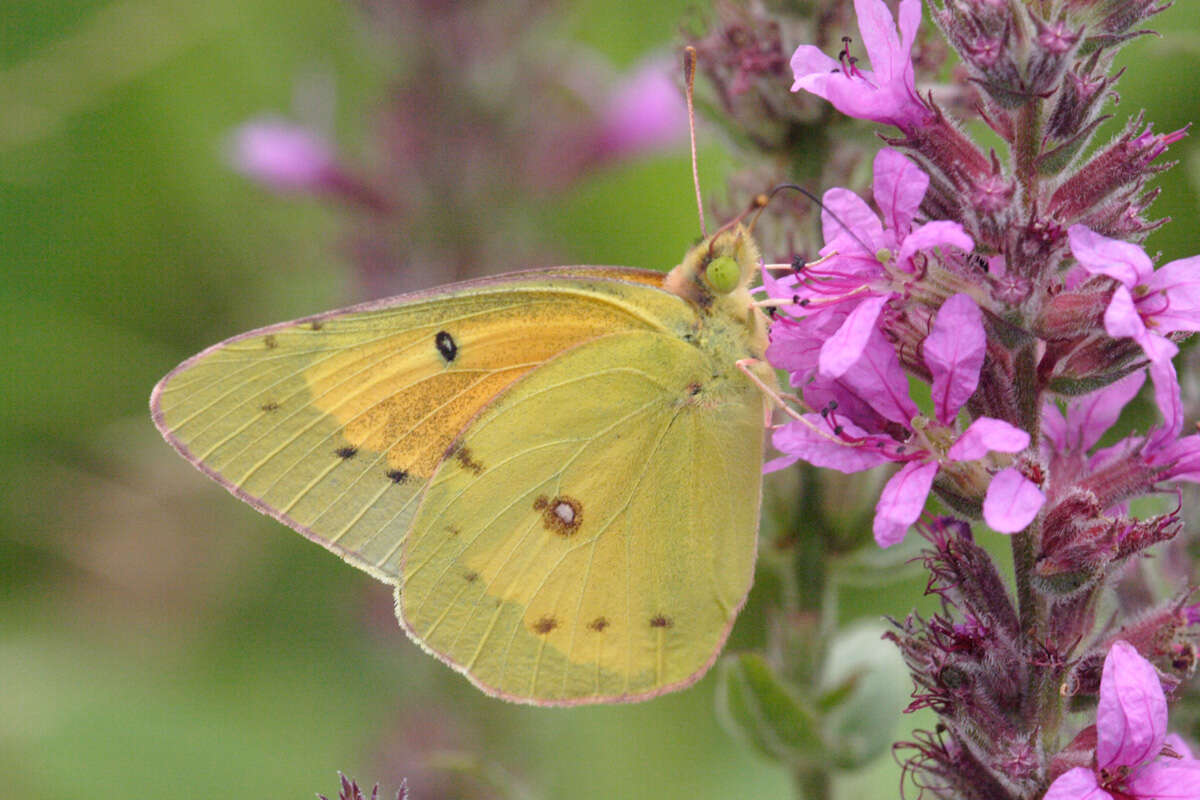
<point>723,274</point>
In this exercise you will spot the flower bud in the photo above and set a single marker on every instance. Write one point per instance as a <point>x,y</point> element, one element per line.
<point>1094,364</point>
<point>1078,101</point>
<point>1077,313</point>
<point>1054,43</point>
<point>1118,16</point>
<point>1076,544</point>
<point>1122,165</point>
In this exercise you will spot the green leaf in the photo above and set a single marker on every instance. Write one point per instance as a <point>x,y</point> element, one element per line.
<point>757,707</point>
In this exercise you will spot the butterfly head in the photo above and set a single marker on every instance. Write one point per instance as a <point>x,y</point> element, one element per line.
<point>717,271</point>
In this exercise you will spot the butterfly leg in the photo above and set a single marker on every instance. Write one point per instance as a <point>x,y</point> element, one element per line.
<point>746,365</point>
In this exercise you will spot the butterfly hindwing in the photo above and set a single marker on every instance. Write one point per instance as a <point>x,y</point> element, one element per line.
<point>593,536</point>
<point>335,424</point>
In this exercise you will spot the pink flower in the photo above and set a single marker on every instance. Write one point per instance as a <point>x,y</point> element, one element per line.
<point>869,262</point>
<point>869,419</point>
<point>1147,305</point>
<point>646,112</point>
<point>1134,465</point>
<point>282,155</point>
<point>1066,441</point>
<point>1135,758</point>
<point>885,93</point>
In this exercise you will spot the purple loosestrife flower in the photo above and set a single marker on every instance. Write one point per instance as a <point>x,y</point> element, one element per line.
<point>645,113</point>
<point>1130,467</point>
<point>1088,525</point>
<point>885,93</point>
<point>870,419</point>
<point>1066,440</point>
<point>1135,758</point>
<point>867,261</point>
<point>290,158</point>
<point>1146,305</point>
<point>282,155</point>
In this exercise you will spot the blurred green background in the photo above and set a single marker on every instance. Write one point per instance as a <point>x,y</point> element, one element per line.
<point>159,639</point>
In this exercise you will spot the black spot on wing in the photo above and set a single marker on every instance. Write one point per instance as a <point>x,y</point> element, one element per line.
<point>544,625</point>
<point>599,624</point>
<point>397,475</point>
<point>446,346</point>
<point>269,406</point>
<point>660,621</point>
<point>346,453</point>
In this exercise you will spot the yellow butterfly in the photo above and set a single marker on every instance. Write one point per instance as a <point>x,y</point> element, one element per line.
<point>558,470</point>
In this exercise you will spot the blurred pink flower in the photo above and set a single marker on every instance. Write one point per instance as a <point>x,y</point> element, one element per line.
<point>645,113</point>
<point>282,155</point>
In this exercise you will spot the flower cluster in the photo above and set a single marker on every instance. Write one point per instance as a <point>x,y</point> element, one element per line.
<point>523,120</point>
<point>983,328</point>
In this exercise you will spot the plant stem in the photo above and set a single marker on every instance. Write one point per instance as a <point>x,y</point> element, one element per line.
<point>812,783</point>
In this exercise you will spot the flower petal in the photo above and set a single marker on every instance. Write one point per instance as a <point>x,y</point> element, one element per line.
<point>1168,396</point>
<point>910,19</point>
<point>902,501</point>
<point>1182,456</point>
<point>1078,783</point>
<point>878,29</point>
<point>1090,416</point>
<point>900,186</point>
<point>812,441</point>
<point>1121,318</point>
<point>1173,296</point>
<point>954,353</point>
<point>811,68</point>
<point>1054,429</point>
<point>796,344</point>
<point>879,380</point>
<point>984,435</point>
<point>780,463</point>
<point>1166,779</point>
<point>1012,501</point>
<point>1099,255</point>
<point>846,218</point>
<point>1131,719</point>
<point>845,347</point>
<point>820,392</point>
<point>940,233</point>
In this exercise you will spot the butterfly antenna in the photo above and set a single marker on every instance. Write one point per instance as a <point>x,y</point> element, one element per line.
<point>689,80</point>
<point>760,203</point>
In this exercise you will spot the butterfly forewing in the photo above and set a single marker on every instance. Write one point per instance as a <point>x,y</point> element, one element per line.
<point>335,424</point>
<point>593,536</point>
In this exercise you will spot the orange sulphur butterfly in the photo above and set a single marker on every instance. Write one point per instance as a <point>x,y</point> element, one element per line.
<point>558,470</point>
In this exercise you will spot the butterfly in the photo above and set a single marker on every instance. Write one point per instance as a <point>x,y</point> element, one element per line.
<point>558,470</point>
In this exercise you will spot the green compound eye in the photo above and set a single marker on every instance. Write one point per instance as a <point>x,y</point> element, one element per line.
<point>723,274</point>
